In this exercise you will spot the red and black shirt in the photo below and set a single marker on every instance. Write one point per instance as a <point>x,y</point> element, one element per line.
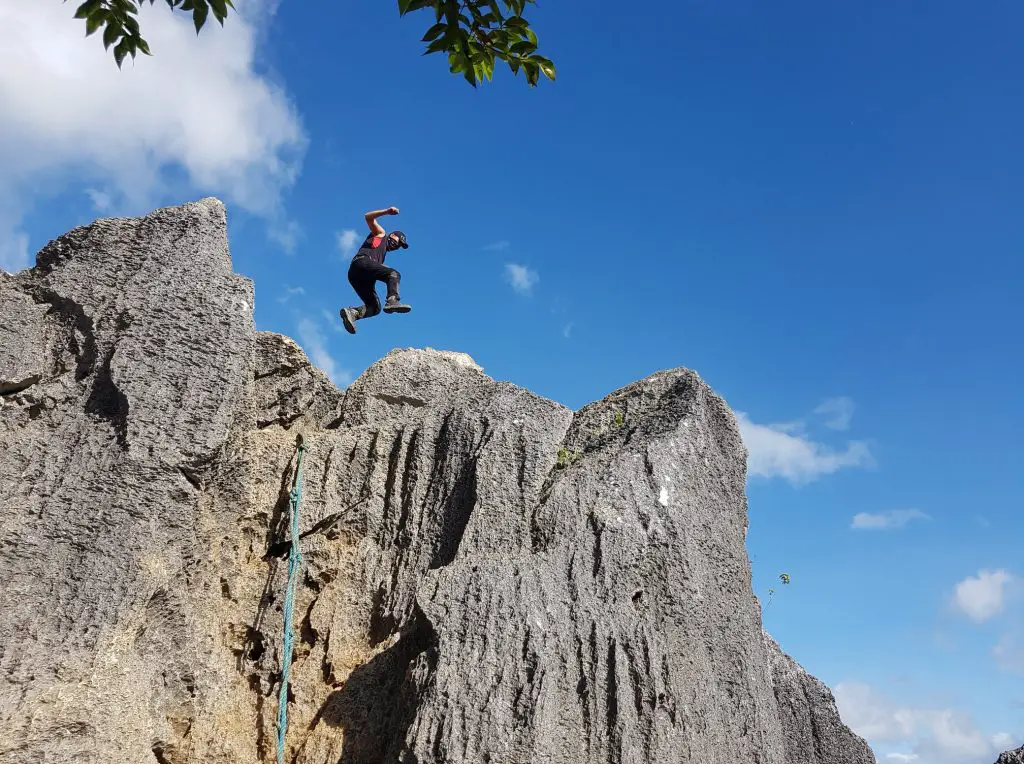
<point>374,247</point>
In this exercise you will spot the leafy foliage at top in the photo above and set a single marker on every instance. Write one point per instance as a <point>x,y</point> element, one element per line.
<point>474,34</point>
<point>121,27</point>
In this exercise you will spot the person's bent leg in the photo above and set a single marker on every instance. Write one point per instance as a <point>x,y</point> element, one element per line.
<point>393,304</point>
<point>363,281</point>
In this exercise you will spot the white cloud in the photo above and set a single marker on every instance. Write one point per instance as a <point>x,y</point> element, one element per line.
<point>290,292</point>
<point>195,110</point>
<point>935,736</point>
<point>838,410</point>
<point>983,596</point>
<point>332,320</point>
<point>784,450</point>
<point>872,716</point>
<point>315,345</point>
<point>286,234</point>
<point>951,736</point>
<point>1009,653</point>
<point>101,200</point>
<point>567,330</point>
<point>895,518</point>
<point>13,251</point>
<point>498,246</point>
<point>347,241</point>
<point>521,278</point>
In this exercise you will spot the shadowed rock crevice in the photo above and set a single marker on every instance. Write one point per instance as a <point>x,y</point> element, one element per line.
<point>378,702</point>
<point>106,400</point>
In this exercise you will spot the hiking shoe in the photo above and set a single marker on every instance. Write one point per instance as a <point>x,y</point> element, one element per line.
<point>348,318</point>
<point>392,305</point>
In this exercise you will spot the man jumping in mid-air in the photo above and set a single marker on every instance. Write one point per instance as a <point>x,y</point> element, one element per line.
<point>367,268</point>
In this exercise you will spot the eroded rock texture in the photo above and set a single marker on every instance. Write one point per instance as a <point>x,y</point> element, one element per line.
<point>1012,757</point>
<point>488,576</point>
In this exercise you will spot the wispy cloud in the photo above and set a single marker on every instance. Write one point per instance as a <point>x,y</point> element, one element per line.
<point>289,292</point>
<point>934,736</point>
<point>1009,652</point>
<point>286,234</point>
<point>891,520</point>
<point>101,200</point>
<point>315,344</point>
<point>838,412</point>
<point>567,330</point>
<point>982,597</point>
<point>497,246</point>
<point>785,450</point>
<point>347,241</point>
<point>332,320</point>
<point>521,278</point>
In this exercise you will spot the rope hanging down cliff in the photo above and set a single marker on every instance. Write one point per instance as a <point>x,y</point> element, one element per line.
<point>294,561</point>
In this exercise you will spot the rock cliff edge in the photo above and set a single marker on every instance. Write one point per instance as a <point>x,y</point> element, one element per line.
<point>488,577</point>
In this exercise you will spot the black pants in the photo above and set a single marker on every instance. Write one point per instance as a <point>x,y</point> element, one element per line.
<point>363,275</point>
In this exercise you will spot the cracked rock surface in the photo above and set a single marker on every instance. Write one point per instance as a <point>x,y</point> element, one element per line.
<point>488,576</point>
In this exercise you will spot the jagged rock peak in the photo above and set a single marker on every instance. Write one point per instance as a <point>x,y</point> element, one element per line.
<point>487,575</point>
<point>1012,757</point>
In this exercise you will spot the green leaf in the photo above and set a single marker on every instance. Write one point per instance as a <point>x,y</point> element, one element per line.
<point>92,24</point>
<point>142,45</point>
<point>87,8</point>
<point>413,5</point>
<point>120,51</point>
<point>546,66</point>
<point>532,70</point>
<point>530,35</point>
<point>110,35</point>
<point>220,10</point>
<point>523,48</point>
<point>457,62</point>
<point>434,31</point>
<point>517,22</point>
<point>436,46</point>
<point>199,14</point>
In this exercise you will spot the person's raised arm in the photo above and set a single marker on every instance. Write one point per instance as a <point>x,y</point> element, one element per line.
<point>371,219</point>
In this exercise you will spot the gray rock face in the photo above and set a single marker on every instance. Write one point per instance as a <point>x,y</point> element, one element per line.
<point>487,575</point>
<point>811,728</point>
<point>1012,757</point>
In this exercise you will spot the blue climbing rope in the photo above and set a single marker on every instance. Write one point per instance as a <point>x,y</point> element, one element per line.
<point>294,560</point>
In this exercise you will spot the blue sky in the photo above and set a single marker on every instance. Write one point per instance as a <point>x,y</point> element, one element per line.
<point>815,206</point>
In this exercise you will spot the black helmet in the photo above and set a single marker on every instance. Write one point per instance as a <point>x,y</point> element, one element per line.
<point>401,239</point>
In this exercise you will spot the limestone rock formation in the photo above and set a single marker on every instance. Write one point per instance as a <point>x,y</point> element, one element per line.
<point>809,717</point>
<point>1012,757</point>
<point>487,575</point>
